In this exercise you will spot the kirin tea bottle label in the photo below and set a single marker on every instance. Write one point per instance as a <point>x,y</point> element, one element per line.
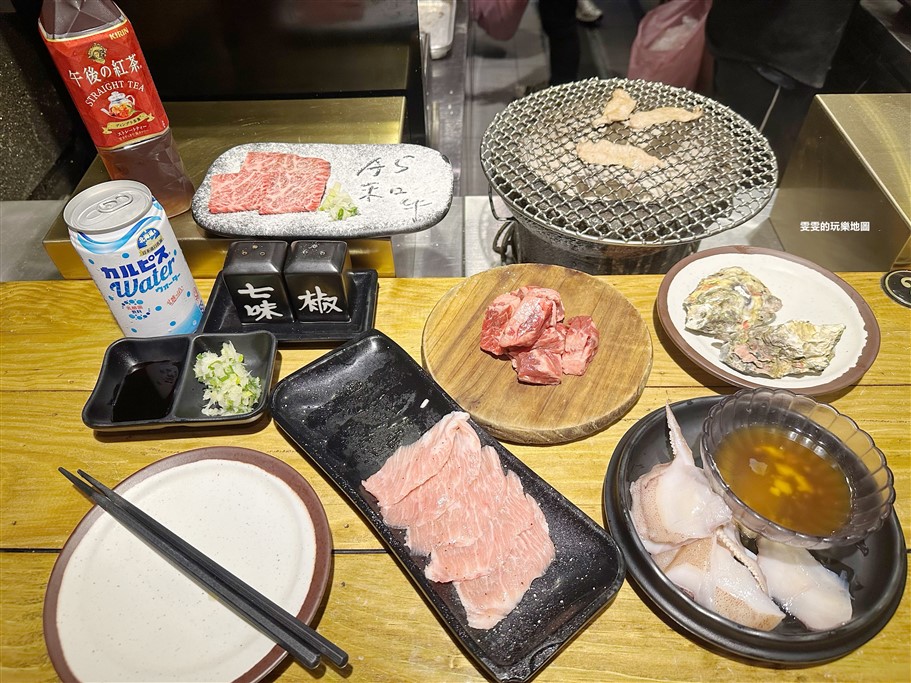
<point>109,81</point>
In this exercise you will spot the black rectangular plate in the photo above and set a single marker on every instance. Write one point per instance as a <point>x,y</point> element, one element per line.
<point>349,410</point>
<point>221,315</point>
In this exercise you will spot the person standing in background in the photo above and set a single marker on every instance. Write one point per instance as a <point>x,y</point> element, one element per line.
<point>588,13</point>
<point>558,21</point>
<point>771,59</point>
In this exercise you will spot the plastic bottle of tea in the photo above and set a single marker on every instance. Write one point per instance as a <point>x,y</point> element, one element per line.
<point>96,52</point>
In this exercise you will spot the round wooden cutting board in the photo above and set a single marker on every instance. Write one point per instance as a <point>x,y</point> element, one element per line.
<point>487,387</point>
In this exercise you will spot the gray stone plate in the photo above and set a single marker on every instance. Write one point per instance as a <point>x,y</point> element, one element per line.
<point>397,189</point>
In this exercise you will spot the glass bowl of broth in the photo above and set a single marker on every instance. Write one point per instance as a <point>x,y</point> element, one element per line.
<point>794,470</point>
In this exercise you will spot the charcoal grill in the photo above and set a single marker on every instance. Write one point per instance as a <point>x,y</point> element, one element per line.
<point>720,171</point>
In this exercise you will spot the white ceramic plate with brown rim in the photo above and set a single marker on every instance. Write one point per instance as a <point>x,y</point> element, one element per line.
<point>807,292</point>
<point>116,610</point>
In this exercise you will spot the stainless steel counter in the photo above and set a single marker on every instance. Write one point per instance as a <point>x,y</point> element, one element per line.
<point>446,96</point>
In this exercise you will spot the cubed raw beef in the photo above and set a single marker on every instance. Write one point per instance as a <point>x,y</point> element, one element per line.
<point>582,340</point>
<point>528,322</point>
<point>551,339</point>
<point>547,293</point>
<point>538,366</point>
<point>498,313</point>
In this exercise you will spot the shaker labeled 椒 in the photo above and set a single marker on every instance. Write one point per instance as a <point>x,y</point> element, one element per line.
<point>125,240</point>
<point>317,275</point>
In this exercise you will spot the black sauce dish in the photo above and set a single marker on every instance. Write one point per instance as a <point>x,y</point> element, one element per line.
<point>148,383</point>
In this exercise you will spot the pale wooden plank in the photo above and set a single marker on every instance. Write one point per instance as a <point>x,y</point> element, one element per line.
<point>52,337</point>
<point>68,324</point>
<point>392,635</point>
<point>40,508</point>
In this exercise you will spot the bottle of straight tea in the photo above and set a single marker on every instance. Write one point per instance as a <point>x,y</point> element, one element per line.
<point>95,50</point>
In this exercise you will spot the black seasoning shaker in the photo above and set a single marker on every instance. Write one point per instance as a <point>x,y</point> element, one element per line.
<point>253,275</point>
<point>317,277</point>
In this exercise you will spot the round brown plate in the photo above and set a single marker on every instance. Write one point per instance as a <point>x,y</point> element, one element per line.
<point>487,387</point>
<point>807,292</point>
<point>116,610</point>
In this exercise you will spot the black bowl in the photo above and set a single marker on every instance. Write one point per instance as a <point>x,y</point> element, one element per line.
<point>876,568</point>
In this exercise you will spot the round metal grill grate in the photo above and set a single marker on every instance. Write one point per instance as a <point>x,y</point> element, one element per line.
<point>719,172</point>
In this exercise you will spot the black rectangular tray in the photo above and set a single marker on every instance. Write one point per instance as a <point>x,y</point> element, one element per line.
<point>349,410</point>
<point>221,315</point>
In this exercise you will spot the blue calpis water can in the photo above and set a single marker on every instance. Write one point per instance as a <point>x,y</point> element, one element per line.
<point>124,238</point>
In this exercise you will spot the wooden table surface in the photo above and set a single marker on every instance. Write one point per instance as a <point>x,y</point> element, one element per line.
<point>52,340</point>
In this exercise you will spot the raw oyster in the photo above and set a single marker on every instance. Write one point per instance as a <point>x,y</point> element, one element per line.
<point>797,347</point>
<point>728,302</point>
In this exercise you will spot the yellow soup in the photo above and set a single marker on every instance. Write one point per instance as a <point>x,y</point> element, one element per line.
<point>785,481</point>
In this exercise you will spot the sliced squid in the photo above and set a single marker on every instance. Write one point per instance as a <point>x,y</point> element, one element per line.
<point>673,503</point>
<point>819,598</point>
<point>607,153</point>
<point>618,108</point>
<point>652,117</point>
<point>721,575</point>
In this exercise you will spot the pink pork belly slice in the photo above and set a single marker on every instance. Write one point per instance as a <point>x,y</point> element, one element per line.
<point>462,562</point>
<point>231,192</point>
<point>490,598</point>
<point>527,323</point>
<point>444,489</point>
<point>463,522</point>
<point>547,293</point>
<point>582,339</point>
<point>539,366</point>
<point>297,188</point>
<point>498,313</point>
<point>410,466</point>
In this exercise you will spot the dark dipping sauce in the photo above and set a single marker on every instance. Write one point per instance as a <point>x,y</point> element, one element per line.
<point>147,392</point>
<point>786,478</point>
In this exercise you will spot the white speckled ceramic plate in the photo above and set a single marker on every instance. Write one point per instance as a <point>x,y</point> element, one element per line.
<point>397,189</point>
<point>115,610</point>
<point>807,292</point>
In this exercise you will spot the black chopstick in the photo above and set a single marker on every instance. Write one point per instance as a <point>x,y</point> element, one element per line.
<point>301,641</point>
